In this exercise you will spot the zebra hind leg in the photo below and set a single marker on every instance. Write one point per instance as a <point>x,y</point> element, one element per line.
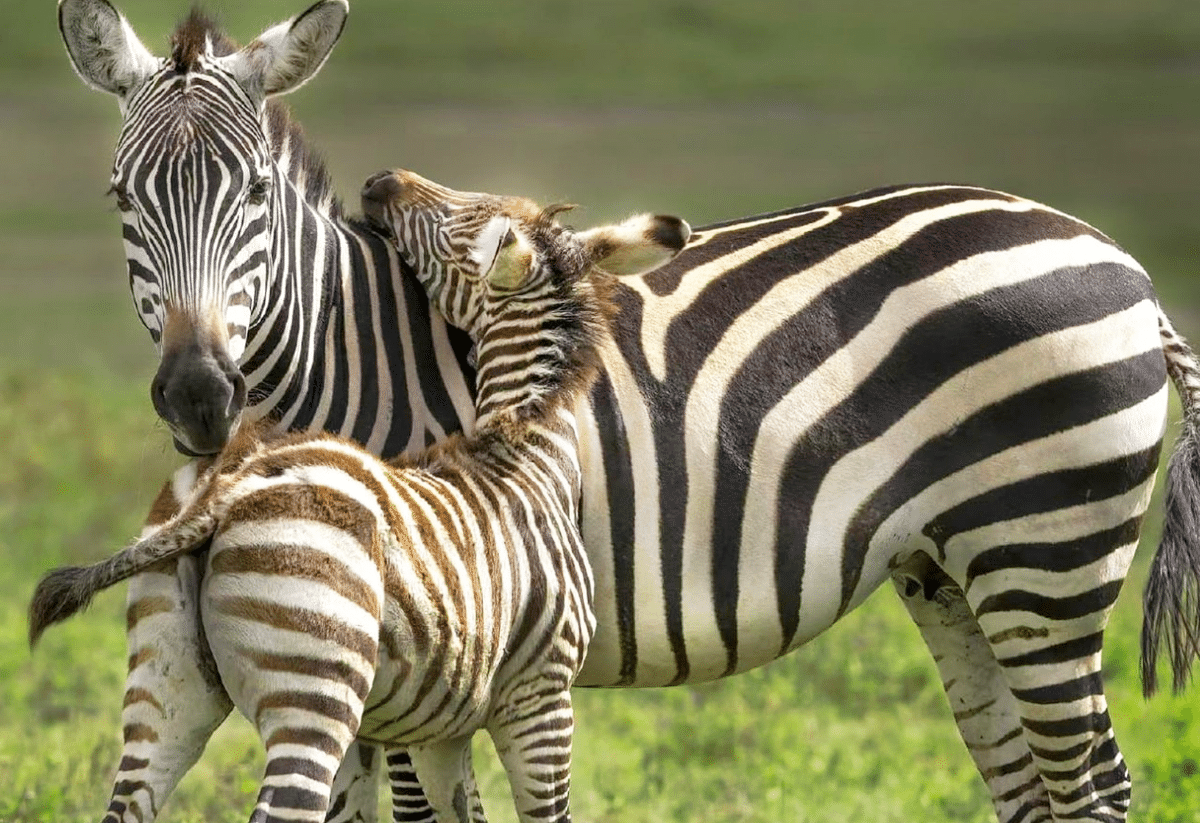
<point>173,700</point>
<point>984,708</point>
<point>1044,620</point>
<point>409,804</point>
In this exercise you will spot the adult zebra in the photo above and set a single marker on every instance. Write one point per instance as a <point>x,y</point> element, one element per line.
<point>954,387</point>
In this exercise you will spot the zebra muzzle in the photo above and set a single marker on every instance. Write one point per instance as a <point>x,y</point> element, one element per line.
<point>200,396</point>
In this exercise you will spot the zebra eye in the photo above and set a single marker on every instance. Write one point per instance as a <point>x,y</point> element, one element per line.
<point>258,191</point>
<point>121,196</point>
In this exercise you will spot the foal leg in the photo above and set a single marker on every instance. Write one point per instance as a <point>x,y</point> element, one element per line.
<point>304,750</point>
<point>533,738</point>
<point>984,708</point>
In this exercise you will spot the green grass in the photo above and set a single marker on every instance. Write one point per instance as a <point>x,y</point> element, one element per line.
<point>708,109</point>
<point>853,727</point>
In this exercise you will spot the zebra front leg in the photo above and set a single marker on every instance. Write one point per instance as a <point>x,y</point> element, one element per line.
<point>446,773</point>
<point>983,705</point>
<point>354,796</point>
<point>409,804</point>
<point>533,738</point>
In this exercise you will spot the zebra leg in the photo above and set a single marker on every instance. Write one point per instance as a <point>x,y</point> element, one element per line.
<point>1042,598</point>
<point>303,754</point>
<point>984,708</point>
<point>408,799</point>
<point>1048,647</point>
<point>174,700</point>
<point>533,739</point>
<point>445,771</point>
<point>354,795</point>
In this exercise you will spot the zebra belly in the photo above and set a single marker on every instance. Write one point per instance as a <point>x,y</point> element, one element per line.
<point>754,466</point>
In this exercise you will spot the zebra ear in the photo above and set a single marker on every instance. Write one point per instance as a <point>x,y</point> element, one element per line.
<point>638,245</point>
<point>286,56</point>
<point>103,49</point>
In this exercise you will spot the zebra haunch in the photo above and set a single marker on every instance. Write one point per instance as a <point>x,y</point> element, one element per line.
<point>410,603</point>
<point>956,388</point>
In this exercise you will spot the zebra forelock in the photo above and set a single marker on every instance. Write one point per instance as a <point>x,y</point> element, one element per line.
<point>198,35</point>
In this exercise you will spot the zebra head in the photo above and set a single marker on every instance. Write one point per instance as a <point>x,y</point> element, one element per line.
<point>519,283</point>
<point>472,250</point>
<point>196,177</point>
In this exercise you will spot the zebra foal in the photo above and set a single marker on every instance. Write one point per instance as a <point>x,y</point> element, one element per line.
<point>413,602</point>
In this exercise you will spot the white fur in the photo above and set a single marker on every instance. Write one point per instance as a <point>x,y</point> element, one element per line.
<point>104,51</point>
<point>286,56</point>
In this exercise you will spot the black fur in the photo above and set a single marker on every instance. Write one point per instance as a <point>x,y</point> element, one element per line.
<point>60,594</point>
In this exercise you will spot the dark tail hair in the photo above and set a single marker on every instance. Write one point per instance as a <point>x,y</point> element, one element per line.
<point>63,592</point>
<point>1171,601</point>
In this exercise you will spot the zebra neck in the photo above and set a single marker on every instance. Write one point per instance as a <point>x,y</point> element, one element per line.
<point>307,251</point>
<point>345,340</point>
<point>530,434</point>
<point>531,385</point>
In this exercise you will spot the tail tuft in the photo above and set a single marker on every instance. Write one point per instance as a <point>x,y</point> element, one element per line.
<point>60,594</point>
<point>1171,601</point>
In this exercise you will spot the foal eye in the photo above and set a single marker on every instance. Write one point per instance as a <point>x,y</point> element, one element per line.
<point>257,193</point>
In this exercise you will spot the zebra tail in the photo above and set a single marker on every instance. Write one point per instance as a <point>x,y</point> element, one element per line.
<point>67,590</point>
<point>1171,601</point>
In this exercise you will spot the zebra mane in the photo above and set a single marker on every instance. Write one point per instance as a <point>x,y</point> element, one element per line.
<point>196,35</point>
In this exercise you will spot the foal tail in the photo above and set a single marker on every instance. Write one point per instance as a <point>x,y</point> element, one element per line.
<point>1171,601</point>
<point>63,592</point>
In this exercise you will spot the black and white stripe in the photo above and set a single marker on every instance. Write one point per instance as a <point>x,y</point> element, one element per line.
<point>956,388</point>
<point>412,603</point>
<point>959,389</point>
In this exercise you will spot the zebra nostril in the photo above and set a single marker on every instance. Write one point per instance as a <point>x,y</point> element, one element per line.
<point>373,179</point>
<point>158,397</point>
<point>382,188</point>
<point>237,397</point>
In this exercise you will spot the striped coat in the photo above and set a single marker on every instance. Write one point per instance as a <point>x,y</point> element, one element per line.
<point>411,603</point>
<point>953,388</point>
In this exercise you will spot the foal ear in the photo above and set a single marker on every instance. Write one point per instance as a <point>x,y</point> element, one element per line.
<point>286,56</point>
<point>104,51</point>
<point>512,264</point>
<point>638,245</point>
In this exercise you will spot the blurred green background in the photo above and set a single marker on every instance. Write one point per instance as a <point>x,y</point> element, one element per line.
<point>706,109</point>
